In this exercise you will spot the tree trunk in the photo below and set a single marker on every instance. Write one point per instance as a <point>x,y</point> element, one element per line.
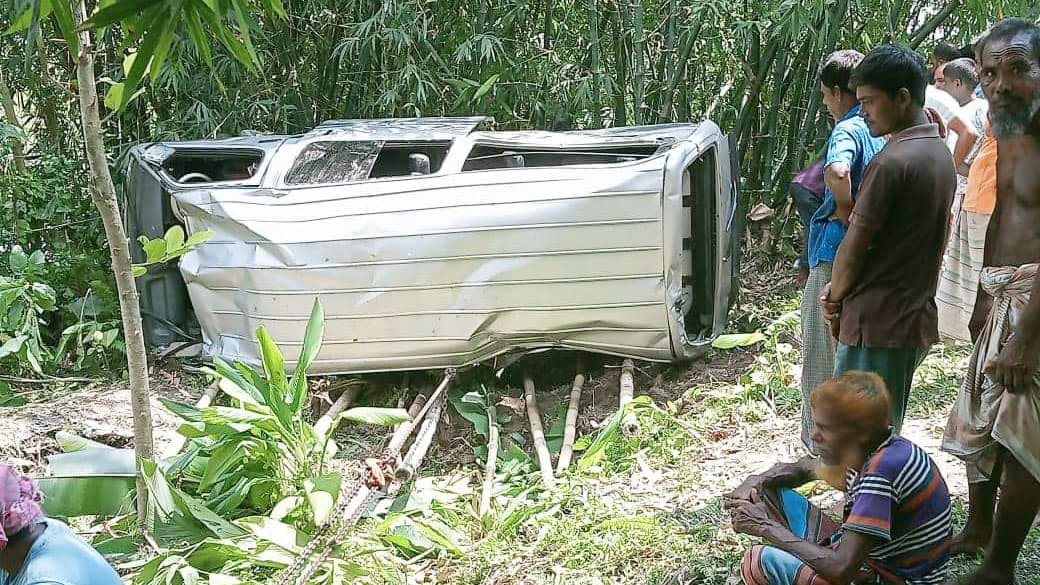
<point>619,33</point>
<point>104,195</point>
<point>17,150</point>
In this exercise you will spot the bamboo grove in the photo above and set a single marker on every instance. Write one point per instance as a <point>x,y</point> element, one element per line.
<point>748,65</point>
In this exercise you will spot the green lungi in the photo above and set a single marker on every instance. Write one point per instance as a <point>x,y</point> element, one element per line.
<point>896,367</point>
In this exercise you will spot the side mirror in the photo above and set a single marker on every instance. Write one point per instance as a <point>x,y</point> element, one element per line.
<point>418,164</point>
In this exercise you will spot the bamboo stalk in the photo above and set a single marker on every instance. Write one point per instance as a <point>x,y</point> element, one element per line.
<point>492,461</point>
<point>345,400</point>
<point>422,442</point>
<point>629,424</point>
<point>537,434</point>
<point>570,428</point>
<point>404,430</point>
<point>638,64</point>
<point>594,56</point>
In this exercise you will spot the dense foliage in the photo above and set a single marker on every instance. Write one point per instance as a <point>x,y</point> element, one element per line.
<point>749,66</point>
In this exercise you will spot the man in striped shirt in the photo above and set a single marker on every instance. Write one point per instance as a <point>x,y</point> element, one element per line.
<point>896,523</point>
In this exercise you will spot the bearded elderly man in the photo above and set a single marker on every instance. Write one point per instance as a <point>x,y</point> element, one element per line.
<point>995,423</point>
<point>896,523</point>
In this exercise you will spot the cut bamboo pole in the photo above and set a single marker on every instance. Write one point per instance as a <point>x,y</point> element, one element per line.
<point>423,439</point>
<point>537,434</point>
<point>205,400</point>
<point>492,461</point>
<point>629,424</point>
<point>404,430</point>
<point>345,400</point>
<point>570,428</point>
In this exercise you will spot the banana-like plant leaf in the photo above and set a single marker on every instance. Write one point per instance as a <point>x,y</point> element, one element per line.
<point>312,339</point>
<point>101,495</point>
<point>71,443</point>
<point>322,493</point>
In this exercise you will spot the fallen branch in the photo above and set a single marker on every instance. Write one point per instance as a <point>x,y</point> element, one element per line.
<point>492,460</point>
<point>570,428</point>
<point>404,430</point>
<point>537,434</point>
<point>629,423</point>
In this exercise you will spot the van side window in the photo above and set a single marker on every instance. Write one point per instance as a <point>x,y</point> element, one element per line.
<point>334,161</point>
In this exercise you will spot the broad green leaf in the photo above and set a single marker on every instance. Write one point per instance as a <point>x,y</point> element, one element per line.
<point>71,443</point>
<point>102,495</point>
<point>17,259</point>
<point>114,96</point>
<point>274,363</point>
<point>275,532</point>
<point>185,411</point>
<point>90,462</point>
<point>8,399</point>
<point>376,416</point>
<point>738,340</point>
<point>229,373</point>
<point>198,36</point>
<point>224,459</point>
<point>154,250</point>
<point>174,238</point>
<point>312,338</point>
<point>322,493</point>
<point>139,270</point>
<point>24,19</point>
<point>286,506</point>
<point>198,238</point>
<point>67,25</point>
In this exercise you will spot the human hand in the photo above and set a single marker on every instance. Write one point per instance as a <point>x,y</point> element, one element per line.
<point>747,492</point>
<point>1015,366</point>
<point>831,310</point>
<point>751,519</point>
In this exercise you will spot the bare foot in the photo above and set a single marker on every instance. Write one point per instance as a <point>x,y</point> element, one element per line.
<point>967,543</point>
<point>984,576</point>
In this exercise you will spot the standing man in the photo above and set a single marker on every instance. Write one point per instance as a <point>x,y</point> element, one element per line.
<point>881,300</point>
<point>995,423</point>
<point>849,150</point>
<point>963,261</point>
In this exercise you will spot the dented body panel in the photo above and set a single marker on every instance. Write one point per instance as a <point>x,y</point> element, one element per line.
<point>465,263</point>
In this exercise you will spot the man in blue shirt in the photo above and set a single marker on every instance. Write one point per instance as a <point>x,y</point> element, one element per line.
<point>849,151</point>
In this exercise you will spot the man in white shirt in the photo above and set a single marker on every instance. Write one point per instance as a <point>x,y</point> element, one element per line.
<point>959,79</point>
<point>961,135</point>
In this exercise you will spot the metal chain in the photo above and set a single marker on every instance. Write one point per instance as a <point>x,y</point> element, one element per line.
<point>330,533</point>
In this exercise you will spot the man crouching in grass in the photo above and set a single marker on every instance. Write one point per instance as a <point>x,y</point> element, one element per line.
<point>896,523</point>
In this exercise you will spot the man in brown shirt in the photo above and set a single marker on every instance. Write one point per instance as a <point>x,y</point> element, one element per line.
<point>881,300</point>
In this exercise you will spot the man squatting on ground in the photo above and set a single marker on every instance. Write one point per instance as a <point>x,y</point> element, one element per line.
<point>995,423</point>
<point>896,521</point>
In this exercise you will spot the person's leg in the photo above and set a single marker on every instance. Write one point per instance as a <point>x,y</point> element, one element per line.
<point>1018,505</point>
<point>975,537</point>
<point>817,345</point>
<point>895,366</point>
<point>766,565</point>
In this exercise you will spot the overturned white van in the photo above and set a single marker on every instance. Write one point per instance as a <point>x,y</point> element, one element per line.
<point>431,244</point>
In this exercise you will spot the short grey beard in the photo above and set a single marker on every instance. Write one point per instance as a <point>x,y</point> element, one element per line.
<point>1010,125</point>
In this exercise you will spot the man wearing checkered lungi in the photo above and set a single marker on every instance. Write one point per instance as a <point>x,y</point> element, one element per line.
<point>849,150</point>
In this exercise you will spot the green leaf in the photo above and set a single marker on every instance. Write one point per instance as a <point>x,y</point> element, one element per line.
<point>154,250</point>
<point>24,19</point>
<point>376,416</point>
<point>117,12</point>
<point>185,411</point>
<point>67,24</point>
<point>17,259</point>
<point>312,339</point>
<point>138,270</point>
<point>71,497</point>
<point>738,340</point>
<point>114,96</point>
<point>157,21</point>
<point>174,238</point>
<point>235,377</point>
<point>224,458</point>
<point>71,443</point>
<point>322,493</point>
<point>274,363</point>
<point>198,238</point>
<point>486,87</point>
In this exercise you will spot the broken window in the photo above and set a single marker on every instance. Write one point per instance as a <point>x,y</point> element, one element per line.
<point>334,161</point>
<point>211,166</point>
<point>495,157</point>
